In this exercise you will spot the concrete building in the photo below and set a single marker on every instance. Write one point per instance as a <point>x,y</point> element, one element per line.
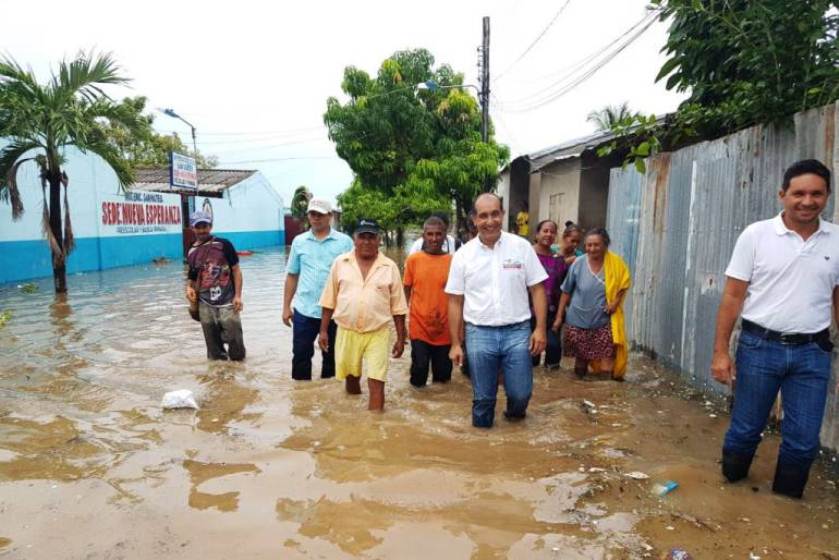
<point>115,228</point>
<point>564,182</point>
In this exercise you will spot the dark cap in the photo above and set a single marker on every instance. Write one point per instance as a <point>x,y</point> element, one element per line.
<point>366,225</point>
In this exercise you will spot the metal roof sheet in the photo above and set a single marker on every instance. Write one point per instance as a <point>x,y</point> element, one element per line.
<point>210,181</point>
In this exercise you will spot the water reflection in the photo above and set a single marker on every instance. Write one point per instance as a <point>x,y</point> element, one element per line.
<point>305,471</point>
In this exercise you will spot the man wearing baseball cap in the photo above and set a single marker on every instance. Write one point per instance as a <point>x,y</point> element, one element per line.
<point>309,261</point>
<point>362,294</point>
<point>215,283</point>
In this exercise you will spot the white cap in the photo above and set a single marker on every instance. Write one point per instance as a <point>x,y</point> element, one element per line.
<point>319,205</point>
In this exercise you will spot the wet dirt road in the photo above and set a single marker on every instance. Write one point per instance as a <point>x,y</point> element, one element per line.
<point>91,468</point>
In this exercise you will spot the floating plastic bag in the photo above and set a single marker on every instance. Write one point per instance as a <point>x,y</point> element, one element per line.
<point>182,398</point>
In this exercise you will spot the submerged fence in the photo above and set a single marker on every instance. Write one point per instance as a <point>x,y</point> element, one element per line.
<point>677,224</point>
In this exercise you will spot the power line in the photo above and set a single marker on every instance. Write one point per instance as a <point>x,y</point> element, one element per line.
<point>536,40</point>
<point>275,159</point>
<point>574,78</point>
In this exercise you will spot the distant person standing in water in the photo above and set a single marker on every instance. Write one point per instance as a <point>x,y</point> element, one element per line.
<point>488,287</point>
<point>215,282</point>
<point>362,294</point>
<point>591,307</point>
<point>783,280</point>
<point>556,269</point>
<point>425,279</point>
<point>311,257</point>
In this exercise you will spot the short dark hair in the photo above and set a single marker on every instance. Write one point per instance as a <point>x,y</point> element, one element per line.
<point>571,227</point>
<point>804,167</point>
<point>543,222</point>
<point>434,221</point>
<point>444,216</point>
<point>602,233</point>
<point>500,201</point>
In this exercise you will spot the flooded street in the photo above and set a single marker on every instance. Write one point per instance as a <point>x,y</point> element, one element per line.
<point>92,468</point>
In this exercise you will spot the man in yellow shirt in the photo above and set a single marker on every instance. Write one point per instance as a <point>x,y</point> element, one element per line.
<point>523,221</point>
<point>362,294</point>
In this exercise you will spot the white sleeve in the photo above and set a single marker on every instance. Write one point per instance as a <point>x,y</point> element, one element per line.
<point>456,284</point>
<point>742,262</point>
<point>416,246</point>
<point>534,272</point>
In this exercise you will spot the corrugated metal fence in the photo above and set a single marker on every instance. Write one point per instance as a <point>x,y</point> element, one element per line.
<point>676,227</point>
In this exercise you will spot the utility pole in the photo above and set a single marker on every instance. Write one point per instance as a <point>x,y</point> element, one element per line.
<point>485,82</point>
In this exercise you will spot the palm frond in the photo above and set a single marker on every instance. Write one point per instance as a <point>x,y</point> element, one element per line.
<point>11,158</point>
<point>85,75</point>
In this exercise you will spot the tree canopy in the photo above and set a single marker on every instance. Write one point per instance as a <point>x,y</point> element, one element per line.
<point>742,62</point>
<point>749,61</point>
<point>412,149</point>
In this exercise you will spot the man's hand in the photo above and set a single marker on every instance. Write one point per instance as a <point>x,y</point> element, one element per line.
<point>287,311</point>
<point>721,368</point>
<point>538,342</point>
<point>611,307</point>
<point>398,348</point>
<point>237,304</point>
<point>456,354</point>
<point>191,295</point>
<point>323,340</point>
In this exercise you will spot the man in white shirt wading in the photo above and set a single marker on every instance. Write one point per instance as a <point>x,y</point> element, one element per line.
<point>488,284</point>
<point>783,275</point>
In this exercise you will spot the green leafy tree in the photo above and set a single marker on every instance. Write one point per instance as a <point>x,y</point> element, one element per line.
<point>41,120</point>
<point>300,202</point>
<point>143,146</point>
<point>743,62</point>
<point>410,149</point>
<point>748,61</point>
<point>607,117</point>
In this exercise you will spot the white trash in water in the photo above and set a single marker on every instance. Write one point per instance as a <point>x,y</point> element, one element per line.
<point>182,398</point>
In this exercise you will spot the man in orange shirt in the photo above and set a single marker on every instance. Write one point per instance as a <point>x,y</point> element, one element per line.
<point>426,273</point>
<point>362,294</point>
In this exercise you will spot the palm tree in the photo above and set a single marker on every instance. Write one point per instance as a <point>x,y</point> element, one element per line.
<point>40,121</point>
<point>608,116</point>
<point>299,202</point>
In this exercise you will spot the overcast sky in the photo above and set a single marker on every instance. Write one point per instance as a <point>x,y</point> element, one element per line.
<point>253,76</point>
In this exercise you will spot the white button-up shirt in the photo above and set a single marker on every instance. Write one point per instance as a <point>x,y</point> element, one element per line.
<point>494,280</point>
<point>790,280</point>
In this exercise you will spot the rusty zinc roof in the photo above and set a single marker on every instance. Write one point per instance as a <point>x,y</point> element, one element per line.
<point>210,181</point>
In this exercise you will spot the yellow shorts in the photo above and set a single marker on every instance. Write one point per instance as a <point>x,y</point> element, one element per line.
<point>351,348</point>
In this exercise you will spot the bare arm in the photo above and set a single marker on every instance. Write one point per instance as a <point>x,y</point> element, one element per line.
<point>564,299</point>
<point>323,336</point>
<point>288,294</point>
<point>399,345</point>
<point>456,328</point>
<point>237,284</point>
<point>610,309</point>
<point>539,338</point>
<point>836,305</point>
<point>408,295</point>
<point>733,296</point>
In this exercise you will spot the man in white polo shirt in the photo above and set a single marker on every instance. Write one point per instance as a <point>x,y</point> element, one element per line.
<point>488,284</point>
<point>783,275</point>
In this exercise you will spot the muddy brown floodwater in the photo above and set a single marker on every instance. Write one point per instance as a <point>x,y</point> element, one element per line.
<point>91,468</point>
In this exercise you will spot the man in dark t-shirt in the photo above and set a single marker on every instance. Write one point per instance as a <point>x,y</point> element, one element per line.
<point>215,282</point>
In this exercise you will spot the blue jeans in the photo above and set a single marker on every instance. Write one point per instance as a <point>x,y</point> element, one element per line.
<point>491,350</point>
<point>801,373</point>
<point>304,331</point>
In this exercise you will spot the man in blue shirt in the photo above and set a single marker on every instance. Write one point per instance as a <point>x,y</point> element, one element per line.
<point>308,267</point>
